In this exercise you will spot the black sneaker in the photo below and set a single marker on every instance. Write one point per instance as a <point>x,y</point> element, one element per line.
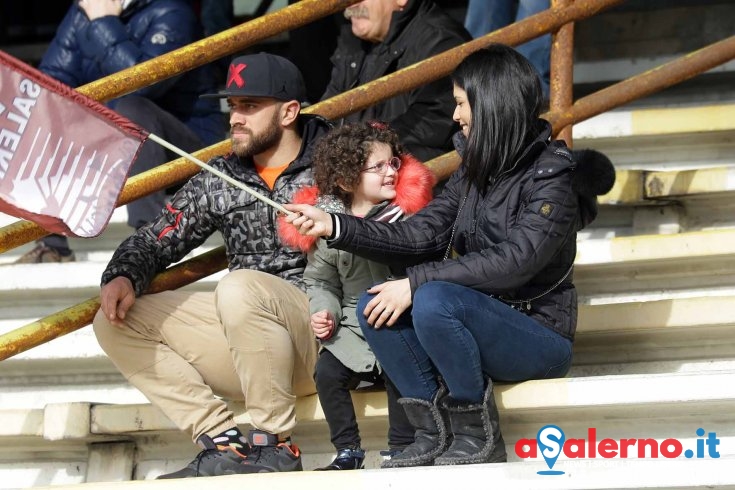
<point>213,460</point>
<point>347,459</point>
<point>268,455</point>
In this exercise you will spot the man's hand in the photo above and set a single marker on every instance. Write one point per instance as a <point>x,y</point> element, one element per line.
<point>391,300</point>
<point>116,298</point>
<point>101,8</point>
<point>323,324</point>
<point>309,220</point>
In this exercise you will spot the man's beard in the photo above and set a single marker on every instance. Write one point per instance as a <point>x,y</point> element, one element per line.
<point>258,143</point>
<point>356,12</point>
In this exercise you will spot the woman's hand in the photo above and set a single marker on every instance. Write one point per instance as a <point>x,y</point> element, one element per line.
<point>309,220</point>
<point>323,324</point>
<point>391,300</point>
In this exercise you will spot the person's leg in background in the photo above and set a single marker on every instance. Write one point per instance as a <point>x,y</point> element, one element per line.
<point>148,115</point>
<point>486,16</point>
<point>51,248</point>
<point>217,16</point>
<point>537,51</point>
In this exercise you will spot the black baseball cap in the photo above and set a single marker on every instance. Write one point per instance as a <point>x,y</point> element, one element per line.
<point>263,75</point>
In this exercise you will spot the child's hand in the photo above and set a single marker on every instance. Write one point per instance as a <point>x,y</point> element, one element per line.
<point>323,324</point>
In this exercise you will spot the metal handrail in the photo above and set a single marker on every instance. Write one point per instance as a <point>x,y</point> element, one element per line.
<point>439,66</point>
<point>560,116</point>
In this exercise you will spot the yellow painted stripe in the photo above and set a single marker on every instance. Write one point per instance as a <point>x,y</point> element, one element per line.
<point>656,247</point>
<point>650,316</point>
<point>683,119</point>
<point>628,188</point>
<point>689,182</point>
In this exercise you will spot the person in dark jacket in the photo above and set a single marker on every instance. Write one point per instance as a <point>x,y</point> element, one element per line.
<point>491,295</point>
<point>250,339</point>
<point>97,38</point>
<point>385,36</point>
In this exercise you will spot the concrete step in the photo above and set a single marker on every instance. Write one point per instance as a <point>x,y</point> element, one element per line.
<point>618,407</point>
<point>634,264</point>
<point>583,474</point>
<point>622,329</point>
<point>663,138</point>
<point>604,266</point>
<point>638,187</point>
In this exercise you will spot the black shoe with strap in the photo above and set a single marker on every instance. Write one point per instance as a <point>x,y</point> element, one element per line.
<point>213,460</point>
<point>347,459</point>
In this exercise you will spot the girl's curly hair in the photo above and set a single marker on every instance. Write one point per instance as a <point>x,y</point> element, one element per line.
<point>340,155</point>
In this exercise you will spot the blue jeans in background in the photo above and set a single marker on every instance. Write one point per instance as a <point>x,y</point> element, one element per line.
<point>463,335</point>
<point>485,16</point>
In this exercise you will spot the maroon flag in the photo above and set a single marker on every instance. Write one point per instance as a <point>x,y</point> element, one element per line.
<point>64,157</point>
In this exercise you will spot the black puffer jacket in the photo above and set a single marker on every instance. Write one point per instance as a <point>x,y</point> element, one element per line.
<point>207,204</point>
<point>422,117</point>
<point>517,242</point>
<point>83,51</point>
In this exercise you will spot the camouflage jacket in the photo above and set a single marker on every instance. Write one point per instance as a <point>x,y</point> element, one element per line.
<point>206,204</point>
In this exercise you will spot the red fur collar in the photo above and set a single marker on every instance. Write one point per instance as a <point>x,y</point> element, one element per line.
<point>413,192</point>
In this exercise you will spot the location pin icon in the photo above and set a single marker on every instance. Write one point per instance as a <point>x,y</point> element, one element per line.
<point>550,439</point>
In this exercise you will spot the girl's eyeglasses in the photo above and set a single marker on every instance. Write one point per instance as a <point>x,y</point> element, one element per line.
<point>382,167</point>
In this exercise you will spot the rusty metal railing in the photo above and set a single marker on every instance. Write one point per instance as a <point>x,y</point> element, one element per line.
<point>562,115</point>
<point>166,66</point>
<point>431,69</point>
<point>562,70</point>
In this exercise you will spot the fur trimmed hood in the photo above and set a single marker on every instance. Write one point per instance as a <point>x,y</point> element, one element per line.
<point>413,192</point>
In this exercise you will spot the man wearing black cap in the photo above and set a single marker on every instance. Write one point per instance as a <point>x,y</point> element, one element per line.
<point>249,339</point>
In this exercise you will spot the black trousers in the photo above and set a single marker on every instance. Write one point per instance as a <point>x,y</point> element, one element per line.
<point>333,383</point>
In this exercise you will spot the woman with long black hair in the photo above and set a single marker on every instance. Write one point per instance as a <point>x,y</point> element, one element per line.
<point>489,296</point>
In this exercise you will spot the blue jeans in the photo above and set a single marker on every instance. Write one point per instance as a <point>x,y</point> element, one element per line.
<point>463,335</point>
<point>485,16</point>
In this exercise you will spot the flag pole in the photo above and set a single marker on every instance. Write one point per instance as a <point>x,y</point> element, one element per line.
<point>216,172</point>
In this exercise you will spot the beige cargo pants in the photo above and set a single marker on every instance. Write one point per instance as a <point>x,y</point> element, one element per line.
<point>249,340</point>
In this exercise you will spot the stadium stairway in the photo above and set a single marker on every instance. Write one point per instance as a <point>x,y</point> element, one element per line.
<point>654,356</point>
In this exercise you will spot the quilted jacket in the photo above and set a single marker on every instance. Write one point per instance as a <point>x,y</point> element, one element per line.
<point>516,242</point>
<point>83,51</point>
<point>207,204</point>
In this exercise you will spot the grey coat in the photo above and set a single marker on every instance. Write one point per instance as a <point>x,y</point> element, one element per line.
<point>335,279</point>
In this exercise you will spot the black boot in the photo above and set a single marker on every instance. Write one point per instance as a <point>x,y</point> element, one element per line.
<point>476,431</point>
<point>430,439</point>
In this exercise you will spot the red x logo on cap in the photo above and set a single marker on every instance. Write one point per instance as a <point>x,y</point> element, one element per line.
<point>234,75</point>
